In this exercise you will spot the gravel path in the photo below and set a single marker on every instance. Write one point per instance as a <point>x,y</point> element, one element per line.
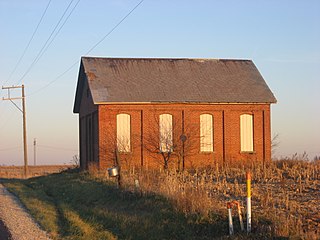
<point>18,221</point>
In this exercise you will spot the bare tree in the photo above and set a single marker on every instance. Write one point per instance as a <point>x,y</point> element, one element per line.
<point>159,139</point>
<point>169,139</point>
<point>117,147</point>
<point>275,142</point>
<point>75,161</point>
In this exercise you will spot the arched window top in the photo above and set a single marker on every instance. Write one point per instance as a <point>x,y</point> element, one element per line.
<point>246,114</point>
<point>166,116</point>
<point>165,122</point>
<point>121,115</point>
<point>206,114</point>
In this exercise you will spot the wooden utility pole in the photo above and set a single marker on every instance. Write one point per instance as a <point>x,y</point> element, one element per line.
<point>23,110</point>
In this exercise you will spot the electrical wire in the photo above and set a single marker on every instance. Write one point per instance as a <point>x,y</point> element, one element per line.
<point>25,49</point>
<point>106,35</point>
<point>30,40</point>
<point>46,45</point>
<point>8,117</point>
<point>68,69</point>
<point>9,149</point>
<point>90,50</point>
<point>58,31</point>
<point>42,50</point>
<point>54,80</point>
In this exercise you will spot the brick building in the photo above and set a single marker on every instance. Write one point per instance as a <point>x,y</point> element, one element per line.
<point>197,111</point>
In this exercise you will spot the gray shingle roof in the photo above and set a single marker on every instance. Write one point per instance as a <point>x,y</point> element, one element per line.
<point>132,80</point>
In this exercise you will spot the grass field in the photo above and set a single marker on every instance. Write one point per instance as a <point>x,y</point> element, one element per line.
<point>170,205</point>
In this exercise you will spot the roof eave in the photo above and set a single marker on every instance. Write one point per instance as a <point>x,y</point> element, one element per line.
<point>185,102</point>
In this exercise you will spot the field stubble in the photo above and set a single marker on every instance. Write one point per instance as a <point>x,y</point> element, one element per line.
<point>285,193</point>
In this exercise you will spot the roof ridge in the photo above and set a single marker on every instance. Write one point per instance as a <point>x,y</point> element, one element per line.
<point>165,58</point>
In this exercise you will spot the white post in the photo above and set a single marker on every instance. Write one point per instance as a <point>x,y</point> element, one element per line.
<point>229,205</point>
<point>240,215</point>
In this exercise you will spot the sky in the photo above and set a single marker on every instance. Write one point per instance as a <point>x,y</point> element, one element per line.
<point>281,37</point>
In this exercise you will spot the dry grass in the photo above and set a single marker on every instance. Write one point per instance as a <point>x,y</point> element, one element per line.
<point>285,194</point>
<point>176,205</point>
<point>76,205</point>
<point>33,171</point>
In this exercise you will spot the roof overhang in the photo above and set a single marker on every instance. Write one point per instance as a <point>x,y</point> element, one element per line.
<point>191,103</point>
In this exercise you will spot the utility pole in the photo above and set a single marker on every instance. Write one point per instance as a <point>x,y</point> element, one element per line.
<point>34,151</point>
<point>23,110</point>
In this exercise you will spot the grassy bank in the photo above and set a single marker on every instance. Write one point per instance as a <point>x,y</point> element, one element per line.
<point>73,205</point>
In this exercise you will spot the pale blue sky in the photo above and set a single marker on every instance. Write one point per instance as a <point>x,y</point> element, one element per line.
<point>281,37</point>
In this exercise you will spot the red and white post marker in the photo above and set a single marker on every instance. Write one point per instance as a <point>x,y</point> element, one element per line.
<point>248,177</point>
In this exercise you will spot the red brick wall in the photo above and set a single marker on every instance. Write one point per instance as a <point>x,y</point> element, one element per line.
<point>144,123</point>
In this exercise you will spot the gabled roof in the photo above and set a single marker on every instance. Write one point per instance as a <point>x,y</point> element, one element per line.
<point>145,80</point>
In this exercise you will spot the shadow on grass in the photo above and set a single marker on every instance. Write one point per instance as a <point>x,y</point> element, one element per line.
<point>87,208</point>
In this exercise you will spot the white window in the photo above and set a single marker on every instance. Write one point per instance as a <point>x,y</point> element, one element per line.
<point>166,136</point>
<point>123,132</point>
<point>246,132</point>
<point>206,133</point>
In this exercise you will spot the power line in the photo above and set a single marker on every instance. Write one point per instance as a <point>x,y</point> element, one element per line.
<point>30,40</point>
<point>90,50</point>
<point>44,47</point>
<point>105,36</point>
<point>54,80</point>
<point>66,19</point>
<point>8,117</point>
<point>9,149</point>
<point>27,46</point>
